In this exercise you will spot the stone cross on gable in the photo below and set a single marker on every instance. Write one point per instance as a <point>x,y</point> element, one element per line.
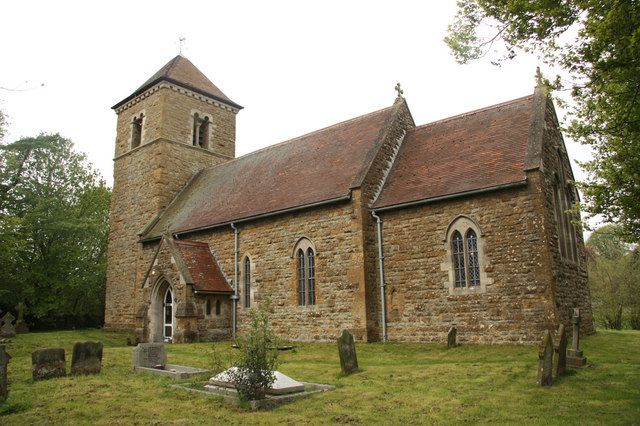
<point>399,90</point>
<point>181,41</point>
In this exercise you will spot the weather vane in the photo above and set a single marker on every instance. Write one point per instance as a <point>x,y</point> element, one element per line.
<point>399,90</point>
<point>181,41</point>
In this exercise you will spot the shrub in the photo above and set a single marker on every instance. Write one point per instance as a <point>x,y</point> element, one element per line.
<point>255,367</point>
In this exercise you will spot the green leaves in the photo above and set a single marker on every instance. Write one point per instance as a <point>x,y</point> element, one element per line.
<point>597,44</point>
<point>54,213</point>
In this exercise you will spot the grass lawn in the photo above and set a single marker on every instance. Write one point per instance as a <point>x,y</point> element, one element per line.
<point>399,384</point>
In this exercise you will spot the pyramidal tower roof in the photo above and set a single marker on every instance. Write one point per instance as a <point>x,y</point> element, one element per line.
<point>182,72</point>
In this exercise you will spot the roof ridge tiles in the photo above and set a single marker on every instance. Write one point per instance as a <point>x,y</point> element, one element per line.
<point>470,113</point>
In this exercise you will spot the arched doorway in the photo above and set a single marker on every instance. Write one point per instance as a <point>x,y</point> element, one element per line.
<point>162,317</point>
<point>167,334</point>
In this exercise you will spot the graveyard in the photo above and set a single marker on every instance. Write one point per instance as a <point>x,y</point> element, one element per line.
<point>394,383</point>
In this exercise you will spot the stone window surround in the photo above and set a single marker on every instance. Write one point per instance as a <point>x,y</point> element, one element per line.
<point>252,268</point>
<point>140,114</point>
<point>563,194</point>
<point>213,303</point>
<point>462,223</point>
<point>304,243</point>
<point>201,116</point>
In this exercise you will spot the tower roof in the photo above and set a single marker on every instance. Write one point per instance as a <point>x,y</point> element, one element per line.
<point>182,72</point>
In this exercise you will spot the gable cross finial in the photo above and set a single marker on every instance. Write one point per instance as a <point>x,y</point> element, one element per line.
<point>539,77</point>
<point>181,41</point>
<point>399,90</point>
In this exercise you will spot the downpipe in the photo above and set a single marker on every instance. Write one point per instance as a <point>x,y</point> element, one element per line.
<point>234,297</point>
<point>382,282</point>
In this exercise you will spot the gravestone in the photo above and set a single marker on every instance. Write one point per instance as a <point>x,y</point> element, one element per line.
<point>560,359</point>
<point>545,360</point>
<point>6,326</point>
<point>149,355</point>
<point>21,325</point>
<point>451,337</point>
<point>574,356</point>
<point>86,358</point>
<point>48,363</point>
<point>347,351</point>
<point>4,382</point>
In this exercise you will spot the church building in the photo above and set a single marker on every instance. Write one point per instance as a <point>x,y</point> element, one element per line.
<point>391,230</point>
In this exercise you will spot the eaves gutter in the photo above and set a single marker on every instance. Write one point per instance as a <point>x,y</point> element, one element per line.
<point>207,293</point>
<point>255,217</point>
<point>517,184</point>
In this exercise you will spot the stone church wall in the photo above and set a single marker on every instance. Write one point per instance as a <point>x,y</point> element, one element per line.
<point>569,277</point>
<point>146,179</point>
<point>270,245</point>
<point>516,305</point>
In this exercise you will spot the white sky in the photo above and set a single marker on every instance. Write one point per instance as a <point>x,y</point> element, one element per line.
<point>295,66</point>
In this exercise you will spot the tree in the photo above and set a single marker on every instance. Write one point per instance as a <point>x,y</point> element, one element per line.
<point>3,125</point>
<point>53,232</point>
<point>597,44</point>
<point>614,274</point>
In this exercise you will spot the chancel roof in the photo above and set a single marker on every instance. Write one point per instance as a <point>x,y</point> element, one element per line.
<point>314,168</point>
<point>182,72</point>
<point>480,149</point>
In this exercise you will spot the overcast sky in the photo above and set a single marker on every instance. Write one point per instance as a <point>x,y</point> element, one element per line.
<point>295,66</point>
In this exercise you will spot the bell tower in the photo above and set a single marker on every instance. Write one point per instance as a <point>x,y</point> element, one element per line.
<point>174,125</point>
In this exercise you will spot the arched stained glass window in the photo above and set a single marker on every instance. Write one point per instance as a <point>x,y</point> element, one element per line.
<point>301,279</point>
<point>312,276</point>
<point>208,307</point>
<point>457,248</point>
<point>247,282</point>
<point>472,256</point>
<point>218,307</point>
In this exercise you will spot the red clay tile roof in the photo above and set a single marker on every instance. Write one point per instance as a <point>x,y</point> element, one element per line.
<point>313,168</point>
<point>476,150</point>
<point>182,72</point>
<point>202,266</point>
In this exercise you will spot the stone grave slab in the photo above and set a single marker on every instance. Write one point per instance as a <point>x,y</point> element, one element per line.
<point>21,325</point>
<point>86,358</point>
<point>152,358</point>
<point>7,329</point>
<point>4,381</point>
<point>560,359</point>
<point>575,357</point>
<point>545,360</point>
<point>451,337</point>
<point>282,385</point>
<point>48,364</point>
<point>149,355</point>
<point>347,352</point>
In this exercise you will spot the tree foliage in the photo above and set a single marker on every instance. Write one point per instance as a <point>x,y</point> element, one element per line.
<point>595,43</point>
<point>614,276</point>
<point>53,232</point>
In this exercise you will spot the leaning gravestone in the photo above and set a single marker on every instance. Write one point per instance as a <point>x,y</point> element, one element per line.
<point>149,355</point>
<point>545,360</point>
<point>86,358</point>
<point>48,363</point>
<point>575,357</point>
<point>7,329</point>
<point>4,382</point>
<point>451,337</point>
<point>560,360</point>
<point>21,325</point>
<point>347,351</point>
